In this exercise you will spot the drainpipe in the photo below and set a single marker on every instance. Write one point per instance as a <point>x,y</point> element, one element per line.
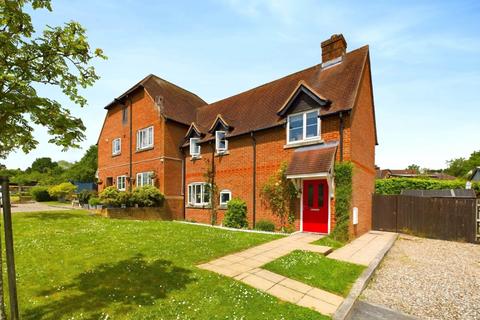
<point>131,146</point>
<point>213,183</point>
<point>341,135</point>
<point>254,177</point>
<point>183,180</point>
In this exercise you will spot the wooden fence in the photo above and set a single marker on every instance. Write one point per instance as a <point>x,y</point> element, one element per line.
<point>439,218</point>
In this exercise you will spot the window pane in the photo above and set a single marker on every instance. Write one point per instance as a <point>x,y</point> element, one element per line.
<point>296,134</point>
<point>224,197</point>
<point>206,194</point>
<point>312,124</point>
<point>295,127</point>
<point>312,118</point>
<point>320,195</point>
<point>198,194</point>
<point>296,121</point>
<point>310,195</point>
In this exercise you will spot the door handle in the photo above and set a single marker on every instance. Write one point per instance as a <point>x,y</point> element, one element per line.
<point>312,209</point>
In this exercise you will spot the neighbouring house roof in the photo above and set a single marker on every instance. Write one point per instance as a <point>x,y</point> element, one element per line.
<point>408,173</point>
<point>175,102</point>
<point>312,160</point>
<point>257,108</point>
<point>474,175</point>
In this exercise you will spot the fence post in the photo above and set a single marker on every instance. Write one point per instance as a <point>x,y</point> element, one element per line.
<point>7,224</point>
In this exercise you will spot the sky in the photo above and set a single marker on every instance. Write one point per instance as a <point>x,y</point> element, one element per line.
<point>425,58</point>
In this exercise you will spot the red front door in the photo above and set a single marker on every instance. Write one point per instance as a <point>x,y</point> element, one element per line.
<point>315,206</point>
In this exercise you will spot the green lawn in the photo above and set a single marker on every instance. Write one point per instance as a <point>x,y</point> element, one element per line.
<point>71,265</point>
<point>329,242</point>
<point>318,271</point>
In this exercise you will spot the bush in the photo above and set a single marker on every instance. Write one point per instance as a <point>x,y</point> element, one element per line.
<point>63,191</point>
<point>109,196</point>
<point>343,199</point>
<point>84,196</point>
<point>147,196</point>
<point>265,225</point>
<point>236,215</point>
<point>94,201</point>
<point>125,198</point>
<point>40,193</point>
<point>396,185</point>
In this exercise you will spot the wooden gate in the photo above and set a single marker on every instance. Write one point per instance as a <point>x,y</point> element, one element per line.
<point>439,218</point>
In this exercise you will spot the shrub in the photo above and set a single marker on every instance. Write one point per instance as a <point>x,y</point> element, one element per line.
<point>147,196</point>
<point>343,199</point>
<point>63,191</point>
<point>40,193</point>
<point>396,185</point>
<point>109,196</point>
<point>125,198</point>
<point>94,201</point>
<point>236,215</point>
<point>265,225</point>
<point>84,196</point>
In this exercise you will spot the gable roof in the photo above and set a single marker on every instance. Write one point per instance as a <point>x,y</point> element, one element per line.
<point>257,108</point>
<point>177,104</point>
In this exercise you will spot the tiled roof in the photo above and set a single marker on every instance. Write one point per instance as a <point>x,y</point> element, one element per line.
<point>176,103</point>
<point>257,108</point>
<point>312,160</point>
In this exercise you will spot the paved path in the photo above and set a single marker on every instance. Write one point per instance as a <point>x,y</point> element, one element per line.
<point>36,206</point>
<point>364,249</point>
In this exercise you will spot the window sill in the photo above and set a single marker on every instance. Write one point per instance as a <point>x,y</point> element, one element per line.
<point>143,149</point>
<point>193,158</point>
<point>222,207</point>
<point>189,206</point>
<point>303,143</point>
<point>116,155</point>
<point>221,154</point>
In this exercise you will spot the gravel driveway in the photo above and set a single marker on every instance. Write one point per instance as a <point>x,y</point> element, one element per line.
<point>430,279</point>
<point>35,206</point>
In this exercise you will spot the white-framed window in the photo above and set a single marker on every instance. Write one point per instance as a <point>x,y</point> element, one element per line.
<point>303,126</point>
<point>145,138</point>
<point>116,146</point>
<point>144,178</point>
<point>225,196</point>
<point>221,142</point>
<point>122,183</point>
<point>198,194</point>
<point>194,147</point>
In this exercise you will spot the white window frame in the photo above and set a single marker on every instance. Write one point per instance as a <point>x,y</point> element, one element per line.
<point>225,191</point>
<point>217,141</point>
<point>304,127</point>
<point>192,195</point>
<point>140,179</point>
<point>116,152</point>
<point>124,178</point>
<point>193,144</point>
<point>141,143</point>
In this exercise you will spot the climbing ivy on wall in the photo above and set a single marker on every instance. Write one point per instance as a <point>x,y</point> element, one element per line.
<point>343,199</point>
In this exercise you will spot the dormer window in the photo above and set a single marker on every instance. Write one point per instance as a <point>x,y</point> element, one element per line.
<point>221,143</point>
<point>303,127</point>
<point>194,147</point>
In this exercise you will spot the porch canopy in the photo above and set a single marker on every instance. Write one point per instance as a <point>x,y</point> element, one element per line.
<point>312,162</point>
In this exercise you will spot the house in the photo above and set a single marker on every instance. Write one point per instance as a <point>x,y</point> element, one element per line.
<point>474,175</point>
<point>409,173</point>
<point>309,119</point>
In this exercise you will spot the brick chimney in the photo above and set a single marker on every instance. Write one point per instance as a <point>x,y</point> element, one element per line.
<point>333,48</point>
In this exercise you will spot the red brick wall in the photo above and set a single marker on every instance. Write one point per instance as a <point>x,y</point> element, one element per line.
<point>234,171</point>
<point>363,156</point>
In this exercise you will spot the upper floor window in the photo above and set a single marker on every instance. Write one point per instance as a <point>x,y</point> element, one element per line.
<point>116,146</point>
<point>198,194</point>
<point>303,126</point>
<point>221,143</point>
<point>144,178</point>
<point>194,147</point>
<point>145,138</point>
<point>122,183</point>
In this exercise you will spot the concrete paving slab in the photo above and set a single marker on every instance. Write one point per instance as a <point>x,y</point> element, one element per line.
<point>285,294</point>
<point>258,282</point>
<point>317,305</point>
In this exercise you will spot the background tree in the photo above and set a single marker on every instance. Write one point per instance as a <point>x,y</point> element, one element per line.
<point>60,57</point>
<point>460,167</point>
<point>414,167</point>
<point>85,169</point>
<point>43,165</point>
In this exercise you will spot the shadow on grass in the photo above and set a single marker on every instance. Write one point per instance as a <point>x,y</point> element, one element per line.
<point>50,215</point>
<point>124,285</point>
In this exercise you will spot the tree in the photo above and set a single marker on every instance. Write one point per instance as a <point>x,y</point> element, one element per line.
<point>414,167</point>
<point>43,165</point>
<point>85,169</point>
<point>459,167</point>
<point>60,57</point>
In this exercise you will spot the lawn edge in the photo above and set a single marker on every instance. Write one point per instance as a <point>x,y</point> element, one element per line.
<point>346,307</point>
<point>233,229</point>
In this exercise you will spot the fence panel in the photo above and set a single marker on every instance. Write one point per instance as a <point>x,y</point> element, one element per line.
<point>440,218</point>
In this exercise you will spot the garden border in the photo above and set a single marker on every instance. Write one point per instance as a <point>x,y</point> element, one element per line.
<point>234,229</point>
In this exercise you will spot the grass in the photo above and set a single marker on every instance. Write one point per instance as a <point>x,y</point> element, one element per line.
<point>74,266</point>
<point>329,242</point>
<point>57,203</point>
<point>318,271</point>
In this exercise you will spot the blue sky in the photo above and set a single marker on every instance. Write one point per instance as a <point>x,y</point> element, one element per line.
<point>425,61</point>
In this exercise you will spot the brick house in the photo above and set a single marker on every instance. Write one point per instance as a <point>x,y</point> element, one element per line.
<point>309,119</point>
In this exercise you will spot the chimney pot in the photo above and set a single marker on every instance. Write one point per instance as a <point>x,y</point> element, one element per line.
<point>333,48</point>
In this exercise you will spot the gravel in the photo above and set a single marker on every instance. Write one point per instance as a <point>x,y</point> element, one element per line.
<point>430,279</point>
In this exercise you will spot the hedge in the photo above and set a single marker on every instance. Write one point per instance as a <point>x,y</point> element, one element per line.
<point>396,185</point>
<point>343,199</point>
